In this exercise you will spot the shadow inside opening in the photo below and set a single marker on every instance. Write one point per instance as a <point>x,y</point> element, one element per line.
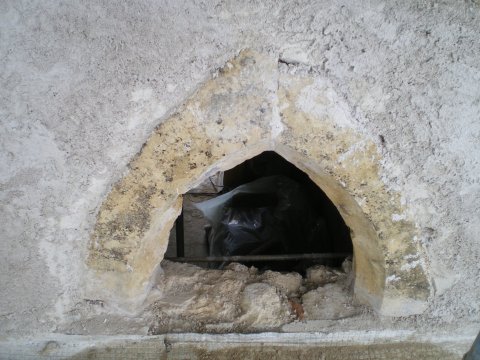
<point>265,207</point>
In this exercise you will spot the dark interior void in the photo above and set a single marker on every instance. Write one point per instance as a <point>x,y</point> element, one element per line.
<point>334,237</point>
<point>273,208</point>
<point>270,163</point>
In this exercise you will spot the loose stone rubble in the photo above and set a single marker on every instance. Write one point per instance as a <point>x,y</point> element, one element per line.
<point>242,299</point>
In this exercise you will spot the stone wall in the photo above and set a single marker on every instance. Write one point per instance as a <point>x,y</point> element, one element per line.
<point>85,85</point>
<point>256,103</point>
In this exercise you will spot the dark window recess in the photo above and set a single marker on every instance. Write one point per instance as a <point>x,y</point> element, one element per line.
<point>271,212</point>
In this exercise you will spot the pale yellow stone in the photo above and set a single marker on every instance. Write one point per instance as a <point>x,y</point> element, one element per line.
<point>251,107</point>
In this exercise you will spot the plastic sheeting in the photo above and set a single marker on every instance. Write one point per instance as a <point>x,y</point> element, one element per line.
<point>271,215</point>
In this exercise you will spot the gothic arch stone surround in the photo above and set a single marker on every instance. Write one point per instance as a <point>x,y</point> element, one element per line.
<point>253,104</point>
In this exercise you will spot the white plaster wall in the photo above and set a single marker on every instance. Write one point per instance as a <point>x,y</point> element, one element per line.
<point>83,85</point>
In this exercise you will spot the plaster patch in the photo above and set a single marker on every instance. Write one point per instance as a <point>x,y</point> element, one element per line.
<point>142,94</point>
<point>295,55</point>
<point>399,306</point>
<point>320,99</point>
<point>411,265</point>
<point>398,217</point>
<point>171,87</point>
<point>159,111</point>
<point>276,124</point>
<point>392,278</point>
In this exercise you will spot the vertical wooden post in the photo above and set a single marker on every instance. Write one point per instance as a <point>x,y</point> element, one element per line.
<point>180,235</point>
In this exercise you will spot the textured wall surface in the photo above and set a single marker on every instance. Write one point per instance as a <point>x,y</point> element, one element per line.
<point>257,103</point>
<point>84,85</point>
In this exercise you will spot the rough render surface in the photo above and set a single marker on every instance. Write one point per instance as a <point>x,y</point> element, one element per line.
<point>83,86</point>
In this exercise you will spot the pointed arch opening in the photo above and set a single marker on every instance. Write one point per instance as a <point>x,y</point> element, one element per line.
<point>255,105</point>
<point>267,213</point>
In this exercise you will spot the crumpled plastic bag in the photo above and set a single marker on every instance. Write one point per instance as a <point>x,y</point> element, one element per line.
<point>271,215</point>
